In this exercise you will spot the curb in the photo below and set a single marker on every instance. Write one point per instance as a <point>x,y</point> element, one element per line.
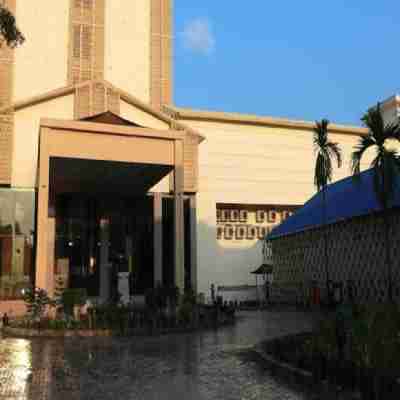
<point>48,333</point>
<point>302,376</point>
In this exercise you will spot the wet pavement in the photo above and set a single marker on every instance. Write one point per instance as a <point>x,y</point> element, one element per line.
<point>208,365</point>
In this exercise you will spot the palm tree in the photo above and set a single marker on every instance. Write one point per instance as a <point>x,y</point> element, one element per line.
<point>326,151</point>
<point>386,165</point>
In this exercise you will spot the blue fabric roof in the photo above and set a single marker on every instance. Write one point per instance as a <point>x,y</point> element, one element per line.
<point>344,199</point>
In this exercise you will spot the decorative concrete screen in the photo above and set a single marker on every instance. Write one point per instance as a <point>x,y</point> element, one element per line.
<point>249,221</point>
<point>356,251</point>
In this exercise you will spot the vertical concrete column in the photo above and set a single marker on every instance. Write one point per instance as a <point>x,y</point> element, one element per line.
<point>51,240</point>
<point>104,264</point>
<point>179,243</point>
<point>157,239</point>
<point>193,242</point>
<point>42,267</point>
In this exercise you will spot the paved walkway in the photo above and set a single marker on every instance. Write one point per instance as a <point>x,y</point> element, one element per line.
<point>213,365</point>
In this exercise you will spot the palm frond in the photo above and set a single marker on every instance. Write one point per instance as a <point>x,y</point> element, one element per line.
<point>365,142</point>
<point>320,134</point>
<point>335,152</point>
<point>374,121</point>
<point>386,167</point>
<point>323,170</point>
<point>325,152</point>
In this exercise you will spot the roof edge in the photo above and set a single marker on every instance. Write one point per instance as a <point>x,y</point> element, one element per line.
<point>130,99</point>
<point>217,116</point>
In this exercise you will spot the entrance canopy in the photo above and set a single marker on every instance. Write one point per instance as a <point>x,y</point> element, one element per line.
<point>104,158</point>
<point>73,175</point>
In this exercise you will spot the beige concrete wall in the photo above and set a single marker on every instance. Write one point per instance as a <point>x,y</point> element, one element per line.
<point>163,186</point>
<point>41,63</point>
<point>248,164</point>
<point>26,138</point>
<point>140,117</point>
<point>127,46</point>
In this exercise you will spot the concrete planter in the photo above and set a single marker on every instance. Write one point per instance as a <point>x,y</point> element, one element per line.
<point>52,333</point>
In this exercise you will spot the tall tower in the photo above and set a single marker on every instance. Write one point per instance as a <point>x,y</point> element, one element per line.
<point>125,42</point>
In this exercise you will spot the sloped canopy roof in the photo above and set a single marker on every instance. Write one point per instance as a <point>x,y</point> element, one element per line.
<point>263,269</point>
<point>109,117</point>
<point>345,199</point>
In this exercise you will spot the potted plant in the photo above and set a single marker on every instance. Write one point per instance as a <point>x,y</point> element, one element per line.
<point>37,302</point>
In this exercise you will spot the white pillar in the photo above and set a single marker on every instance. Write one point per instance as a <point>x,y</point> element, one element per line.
<point>157,238</point>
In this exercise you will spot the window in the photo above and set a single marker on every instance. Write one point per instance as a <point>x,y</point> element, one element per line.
<point>17,233</point>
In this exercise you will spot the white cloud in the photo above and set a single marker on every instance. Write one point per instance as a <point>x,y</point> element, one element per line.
<point>198,36</point>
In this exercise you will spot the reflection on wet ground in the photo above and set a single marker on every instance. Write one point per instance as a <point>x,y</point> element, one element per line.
<point>199,366</point>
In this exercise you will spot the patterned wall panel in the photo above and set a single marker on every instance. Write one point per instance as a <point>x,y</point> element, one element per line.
<point>161,53</point>
<point>95,98</point>
<point>356,251</point>
<point>86,54</point>
<point>6,96</point>
<point>191,161</point>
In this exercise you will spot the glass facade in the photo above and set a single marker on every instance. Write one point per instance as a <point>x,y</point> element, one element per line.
<point>98,237</point>
<point>17,241</point>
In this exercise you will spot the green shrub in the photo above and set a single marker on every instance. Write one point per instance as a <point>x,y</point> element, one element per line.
<point>58,324</point>
<point>73,297</point>
<point>36,301</point>
<point>185,313</point>
<point>375,334</point>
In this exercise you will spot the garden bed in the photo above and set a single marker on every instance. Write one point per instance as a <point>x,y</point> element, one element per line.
<point>54,333</point>
<point>290,356</point>
<point>121,321</point>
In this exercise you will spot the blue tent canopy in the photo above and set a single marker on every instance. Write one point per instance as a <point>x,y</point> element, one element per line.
<point>345,199</point>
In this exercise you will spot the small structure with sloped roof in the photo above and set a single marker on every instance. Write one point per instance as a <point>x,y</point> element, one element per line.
<point>355,239</point>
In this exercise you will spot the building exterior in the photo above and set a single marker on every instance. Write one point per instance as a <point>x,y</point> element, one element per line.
<point>356,245</point>
<point>99,171</point>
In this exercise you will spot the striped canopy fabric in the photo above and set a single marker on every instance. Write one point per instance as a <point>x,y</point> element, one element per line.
<point>345,199</point>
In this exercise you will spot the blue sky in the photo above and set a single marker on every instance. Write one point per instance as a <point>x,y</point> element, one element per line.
<point>305,59</point>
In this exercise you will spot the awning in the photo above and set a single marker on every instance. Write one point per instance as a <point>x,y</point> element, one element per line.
<point>263,269</point>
